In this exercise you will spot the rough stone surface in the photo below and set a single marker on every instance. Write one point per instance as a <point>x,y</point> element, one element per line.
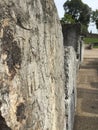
<point>73,44</point>
<point>31,66</point>
<point>80,49</point>
<point>70,86</point>
<point>71,33</point>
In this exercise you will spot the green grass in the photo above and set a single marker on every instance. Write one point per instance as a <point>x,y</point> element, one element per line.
<point>90,40</point>
<point>95,47</point>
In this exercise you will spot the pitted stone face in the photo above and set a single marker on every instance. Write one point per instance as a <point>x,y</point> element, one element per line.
<point>10,52</point>
<point>20,113</point>
<point>10,17</point>
<point>31,65</point>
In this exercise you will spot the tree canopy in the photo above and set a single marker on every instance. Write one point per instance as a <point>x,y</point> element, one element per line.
<point>67,19</point>
<point>94,17</point>
<point>77,11</point>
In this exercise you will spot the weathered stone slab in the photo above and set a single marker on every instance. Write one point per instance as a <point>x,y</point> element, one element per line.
<point>31,65</point>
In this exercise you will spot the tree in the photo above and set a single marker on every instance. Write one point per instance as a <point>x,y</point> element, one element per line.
<point>79,11</point>
<point>94,17</point>
<point>67,19</point>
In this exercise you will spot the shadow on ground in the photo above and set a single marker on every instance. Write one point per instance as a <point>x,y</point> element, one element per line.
<point>86,117</point>
<point>86,123</point>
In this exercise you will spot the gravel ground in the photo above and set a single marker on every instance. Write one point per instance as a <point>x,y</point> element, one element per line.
<point>86,117</point>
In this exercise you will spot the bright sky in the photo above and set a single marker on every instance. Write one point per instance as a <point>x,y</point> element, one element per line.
<point>91,3</point>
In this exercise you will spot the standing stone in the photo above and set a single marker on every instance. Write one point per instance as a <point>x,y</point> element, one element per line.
<point>31,66</point>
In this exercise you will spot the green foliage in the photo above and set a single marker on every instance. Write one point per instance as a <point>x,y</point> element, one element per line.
<point>84,29</point>
<point>91,41</point>
<point>88,40</point>
<point>94,17</point>
<point>77,12</point>
<point>67,19</point>
<point>73,8</point>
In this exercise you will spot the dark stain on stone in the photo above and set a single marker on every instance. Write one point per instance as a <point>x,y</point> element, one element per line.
<point>10,48</point>
<point>3,125</point>
<point>0,103</point>
<point>92,107</point>
<point>4,89</point>
<point>20,113</point>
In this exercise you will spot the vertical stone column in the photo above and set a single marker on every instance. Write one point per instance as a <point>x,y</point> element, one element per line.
<point>70,86</point>
<point>71,35</point>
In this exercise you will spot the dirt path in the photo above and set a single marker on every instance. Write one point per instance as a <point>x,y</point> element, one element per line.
<point>87,92</point>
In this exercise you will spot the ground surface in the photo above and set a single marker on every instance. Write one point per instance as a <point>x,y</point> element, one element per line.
<point>87,92</point>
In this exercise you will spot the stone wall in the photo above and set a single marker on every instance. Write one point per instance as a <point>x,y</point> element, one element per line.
<point>80,49</point>
<point>71,33</point>
<point>31,66</point>
<point>70,86</point>
<point>73,45</point>
<point>35,92</point>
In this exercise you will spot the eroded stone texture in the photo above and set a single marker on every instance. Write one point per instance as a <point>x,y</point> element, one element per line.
<point>71,33</point>
<point>70,86</point>
<point>31,65</point>
<point>73,56</point>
